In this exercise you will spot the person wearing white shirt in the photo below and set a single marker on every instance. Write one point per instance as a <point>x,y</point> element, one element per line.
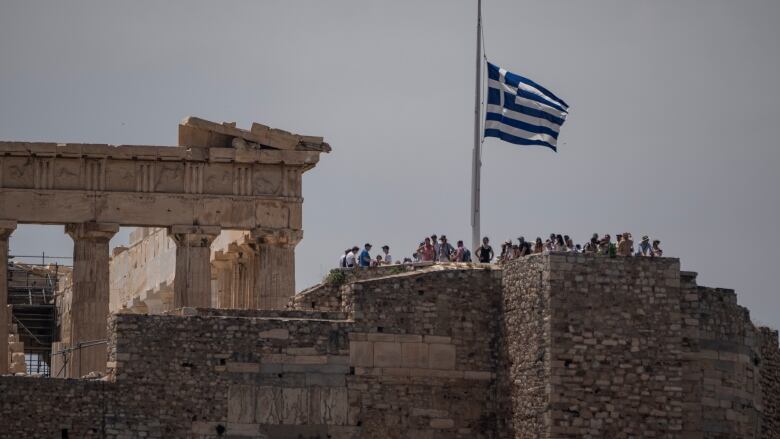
<point>387,259</point>
<point>351,258</point>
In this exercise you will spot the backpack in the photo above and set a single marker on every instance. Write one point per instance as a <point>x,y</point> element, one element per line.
<point>467,256</point>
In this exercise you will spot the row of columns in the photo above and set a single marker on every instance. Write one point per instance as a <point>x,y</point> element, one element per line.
<point>257,273</point>
<point>267,272</point>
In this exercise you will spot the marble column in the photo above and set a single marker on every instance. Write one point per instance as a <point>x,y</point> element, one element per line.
<point>192,281</point>
<point>274,266</point>
<point>6,228</point>
<point>222,271</point>
<point>89,303</point>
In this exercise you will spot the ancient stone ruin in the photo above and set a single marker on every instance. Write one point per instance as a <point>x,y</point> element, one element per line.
<point>216,344</point>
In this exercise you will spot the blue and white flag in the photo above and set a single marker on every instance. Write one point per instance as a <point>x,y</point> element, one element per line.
<point>521,111</point>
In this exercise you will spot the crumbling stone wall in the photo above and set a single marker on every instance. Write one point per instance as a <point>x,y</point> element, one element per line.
<point>722,360</point>
<point>770,383</point>
<point>365,373</point>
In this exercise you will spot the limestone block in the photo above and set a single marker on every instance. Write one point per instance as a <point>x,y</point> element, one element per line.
<point>334,405</point>
<point>234,366</point>
<point>302,351</point>
<point>241,404</point>
<point>269,405</point>
<point>414,354</point>
<point>441,356</point>
<point>276,333</point>
<point>16,347</point>
<point>361,353</point>
<point>387,354</point>
<point>442,423</point>
<point>235,429</point>
<point>17,357</point>
<point>18,367</point>
<point>437,339</point>
<point>296,406</point>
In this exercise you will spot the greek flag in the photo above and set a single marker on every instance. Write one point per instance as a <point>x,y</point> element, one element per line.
<point>521,111</point>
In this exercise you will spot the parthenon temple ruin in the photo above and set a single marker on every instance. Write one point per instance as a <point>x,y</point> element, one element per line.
<point>194,329</point>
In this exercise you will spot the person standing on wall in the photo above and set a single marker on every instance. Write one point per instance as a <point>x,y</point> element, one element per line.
<point>485,251</point>
<point>365,256</point>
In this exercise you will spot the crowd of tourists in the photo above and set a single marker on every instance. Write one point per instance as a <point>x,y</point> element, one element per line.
<point>439,249</point>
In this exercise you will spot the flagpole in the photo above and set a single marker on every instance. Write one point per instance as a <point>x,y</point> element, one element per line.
<point>477,159</point>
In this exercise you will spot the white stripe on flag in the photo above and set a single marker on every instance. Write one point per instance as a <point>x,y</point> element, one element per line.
<point>492,108</point>
<point>517,132</point>
<point>492,83</point>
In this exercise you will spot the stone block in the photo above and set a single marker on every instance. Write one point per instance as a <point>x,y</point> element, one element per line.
<point>437,339</point>
<point>387,354</point>
<point>235,429</point>
<point>276,333</point>
<point>233,366</point>
<point>296,406</point>
<point>16,347</point>
<point>309,359</point>
<point>334,405</point>
<point>442,423</point>
<point>361,353</point>
<point>414,354</point>
<point>269,405</point>
<point>375,336</point>
<point>241,404</point>
<point>302,351</point>
<point>441,356</point>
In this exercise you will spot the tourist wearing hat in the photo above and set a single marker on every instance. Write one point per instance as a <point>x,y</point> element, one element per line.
<point>645,249</point>
<point>445,250</point>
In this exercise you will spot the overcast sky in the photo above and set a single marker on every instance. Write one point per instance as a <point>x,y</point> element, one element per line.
<point>672,130</point>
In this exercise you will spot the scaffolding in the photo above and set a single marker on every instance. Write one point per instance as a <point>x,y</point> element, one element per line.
<point>31,291</point>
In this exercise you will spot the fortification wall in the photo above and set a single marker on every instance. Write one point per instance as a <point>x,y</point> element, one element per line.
<point>550,346</point>
<point>620,347</point>
<point>370,372</point>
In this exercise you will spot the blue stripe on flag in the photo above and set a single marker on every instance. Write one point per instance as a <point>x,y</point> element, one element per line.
<point>491,132</point>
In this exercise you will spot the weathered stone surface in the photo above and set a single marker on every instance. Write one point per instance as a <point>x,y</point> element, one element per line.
<point>556,346</point>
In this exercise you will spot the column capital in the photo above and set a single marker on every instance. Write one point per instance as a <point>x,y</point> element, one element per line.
<point>92,231</point>
<point>6,228</point>
<point>277,237</point>
<point>193,236</point>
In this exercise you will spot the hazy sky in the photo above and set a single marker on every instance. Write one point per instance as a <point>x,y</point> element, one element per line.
<point>672,131</point>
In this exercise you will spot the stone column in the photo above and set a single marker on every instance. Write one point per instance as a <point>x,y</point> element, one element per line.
<point>222,267</point>
<point>192,281</point>
<point>6,228</point>
<point>274,266</point>
<point>89,302</point>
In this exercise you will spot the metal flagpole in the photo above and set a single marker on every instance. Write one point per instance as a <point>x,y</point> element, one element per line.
<point>477,159</point>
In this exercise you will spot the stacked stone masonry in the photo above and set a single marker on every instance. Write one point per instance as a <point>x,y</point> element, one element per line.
<point>549,346</point>
<point>219,177</point>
